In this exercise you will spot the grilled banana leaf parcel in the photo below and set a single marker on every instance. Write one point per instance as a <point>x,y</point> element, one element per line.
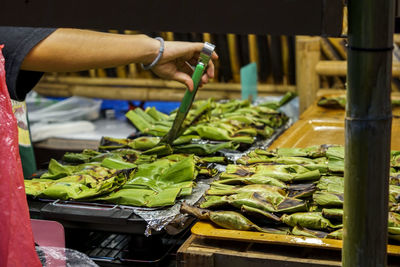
<point>252,180</point>
<point>157,184</point>
<point>127,155</point>
<point>334,184</point>
<point>229,220</point>
<point>335,155</point>
<point>302,231</point>
<point>333,214</point>
<point>338,234</point>
<point>143,197</point>
<point>328,199</point>
<point>311,220</point>
<point>234,121</point>
<point>284,173</point>
<point>86,184</point>
<point>394,226</point>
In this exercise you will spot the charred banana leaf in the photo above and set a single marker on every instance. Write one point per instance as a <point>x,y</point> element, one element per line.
<point>333,214</point>
<point>302,231</point>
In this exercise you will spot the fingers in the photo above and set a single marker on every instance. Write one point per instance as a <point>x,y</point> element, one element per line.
<point>214,56</point>
<point>204,79</point>
<point>183,78</point>
<point>210,69</point>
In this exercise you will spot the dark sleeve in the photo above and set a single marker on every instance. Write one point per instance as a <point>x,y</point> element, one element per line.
<point>18,41</point>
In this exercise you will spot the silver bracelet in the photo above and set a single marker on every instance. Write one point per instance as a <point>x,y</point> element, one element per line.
<point>155,61</point>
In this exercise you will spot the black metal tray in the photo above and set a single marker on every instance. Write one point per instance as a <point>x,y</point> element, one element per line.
<point>93,216</point>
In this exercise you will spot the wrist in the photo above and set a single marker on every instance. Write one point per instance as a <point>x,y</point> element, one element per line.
<point>152,49</point>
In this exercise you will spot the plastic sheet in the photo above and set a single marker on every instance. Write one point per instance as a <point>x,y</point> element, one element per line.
<point>16,239</point>
<point>73,108</point>
<point>57,257</point>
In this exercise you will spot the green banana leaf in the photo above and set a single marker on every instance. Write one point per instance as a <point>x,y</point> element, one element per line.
<point>302,231</point>
<point>252,199</point>
<point>57,170</point>
<point>335,155</point>
<point>87,183</point>
<point>332,102</point>
<point>35,187</point>
<point>335,214</point>
<point>328,199</point>
<point>232,220</point>
<point>236,221</point>
<point>394,178</point>
<point>291,205</point>
<point>142,197</point>
<point>273,193</point>
<point>215,159</point>
<point>311,220</point>
<point>126,155</point>
<point>338,234</point>
<point>394,193</point>
<point>393,219</point>
<point>339,102</point>
<point>203,149</point>
<point>265,216</point>
<point>284,173</point>
<point>301,190</point>
<point>252,180</point>
<point>117,164</point>
<point>334,184</point>
<point>214,201</point>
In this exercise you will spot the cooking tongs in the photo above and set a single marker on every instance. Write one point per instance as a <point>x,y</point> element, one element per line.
<point>188,98</point>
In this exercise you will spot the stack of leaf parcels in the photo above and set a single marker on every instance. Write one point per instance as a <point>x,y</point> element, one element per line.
<point>235,122</point>
<point>295,191</point>
<point>339,102</point>
<point>120,176</point>
<point>143,172</point>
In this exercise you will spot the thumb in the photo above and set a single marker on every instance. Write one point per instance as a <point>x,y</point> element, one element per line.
<point>183,78</point>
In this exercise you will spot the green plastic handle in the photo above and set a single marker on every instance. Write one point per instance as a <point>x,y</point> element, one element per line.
<point>188,97</point>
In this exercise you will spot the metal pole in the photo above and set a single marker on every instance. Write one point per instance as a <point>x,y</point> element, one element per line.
<point>368,130</point>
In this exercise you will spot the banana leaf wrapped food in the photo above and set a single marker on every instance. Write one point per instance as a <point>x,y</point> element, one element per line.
<point>339,102</point>
<point>150,145</point>
<point>328,198</point>
<point>87,183</point>
<point>302,231</point>
<point>158,183</point>
<point>229,220</point>
<point>112,177</point>
<point>284,173</point>
<point>311,220</point>
<point>234,121</point>
<point>333,214</point>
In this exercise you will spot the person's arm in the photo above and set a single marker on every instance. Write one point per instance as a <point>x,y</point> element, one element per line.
<point>75,50</point>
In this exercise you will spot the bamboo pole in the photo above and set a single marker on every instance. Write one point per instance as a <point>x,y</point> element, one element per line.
<point>368,130</point>
<point>339,68</point>
<point>307,56</point>
<point>143,89</point>
<point>156,83</point>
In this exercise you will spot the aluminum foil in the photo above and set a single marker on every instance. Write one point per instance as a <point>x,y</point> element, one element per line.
<point>157,219</point>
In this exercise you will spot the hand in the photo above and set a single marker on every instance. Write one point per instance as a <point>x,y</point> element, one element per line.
<point>174,64</point>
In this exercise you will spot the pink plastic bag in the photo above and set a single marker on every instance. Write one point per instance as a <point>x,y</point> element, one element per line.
<point>16,240</point>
